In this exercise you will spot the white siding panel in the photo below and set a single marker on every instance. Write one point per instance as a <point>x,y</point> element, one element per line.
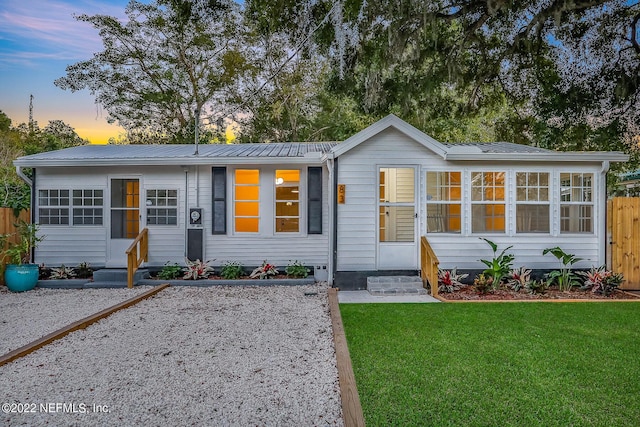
<point>467,251</point>
<point>357,169</point>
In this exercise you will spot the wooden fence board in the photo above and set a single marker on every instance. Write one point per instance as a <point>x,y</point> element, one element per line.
<point>7,221</point>
<point>624,224</point>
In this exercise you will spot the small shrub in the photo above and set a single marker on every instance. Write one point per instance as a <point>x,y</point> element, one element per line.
<point>450,281</point>
<point>84,271</point>
<point>265,271</point>
<point>518,278</point>
<point>197,270</point>
<point>483,284</point>
<point>564,277</point>
<point>536,287</point>
<point>232,270</point>
<point>499,265</point>
<point>43,272</point>
<point>601,281</point>
<point>296,269</point>
<point>170,271</point>
<point>62,272</point>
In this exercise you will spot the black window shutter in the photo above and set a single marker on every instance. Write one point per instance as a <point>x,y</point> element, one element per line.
<point>219,200</point>
<point>314,202</point>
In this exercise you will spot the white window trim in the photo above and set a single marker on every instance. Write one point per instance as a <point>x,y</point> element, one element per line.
<point>267,201</point>
<point>177,207</point>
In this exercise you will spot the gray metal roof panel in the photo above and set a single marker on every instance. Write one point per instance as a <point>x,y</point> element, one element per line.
<point>142,152</point>
<point>501,147</point>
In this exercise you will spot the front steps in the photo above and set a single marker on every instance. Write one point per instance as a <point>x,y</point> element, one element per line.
<point>115,278</point>
<point>395,285</point>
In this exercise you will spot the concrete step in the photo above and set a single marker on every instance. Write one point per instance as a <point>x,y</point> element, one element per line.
<point>115,277</point>
<point>395,285</point>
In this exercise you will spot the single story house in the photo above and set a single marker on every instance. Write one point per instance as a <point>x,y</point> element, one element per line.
<point>349,210</point>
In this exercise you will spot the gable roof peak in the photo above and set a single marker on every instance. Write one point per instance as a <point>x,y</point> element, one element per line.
<point>390,121</point>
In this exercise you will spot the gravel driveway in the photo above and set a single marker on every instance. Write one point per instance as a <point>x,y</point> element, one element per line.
<point>223,356</point>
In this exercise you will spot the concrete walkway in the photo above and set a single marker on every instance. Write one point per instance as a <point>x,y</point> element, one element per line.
<point>360,297</point>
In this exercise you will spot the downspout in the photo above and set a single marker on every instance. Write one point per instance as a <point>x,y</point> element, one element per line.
<point>24,177</point>
<point>603,215</point>
<point>32,185</point>
<point>333,199</point>
<point>330,222</point>
<point>186,209</point>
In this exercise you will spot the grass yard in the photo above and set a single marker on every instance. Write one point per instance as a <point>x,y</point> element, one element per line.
<point>496,364</point>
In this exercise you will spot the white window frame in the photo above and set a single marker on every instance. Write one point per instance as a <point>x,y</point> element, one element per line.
<point>159,207</point>
<point>58,205</point>
<point>447,202</point>
<point>93,203</point>
<point>276,201</point>
<point>533,202</point>
<point>569,202</point>
<point>484,202</point>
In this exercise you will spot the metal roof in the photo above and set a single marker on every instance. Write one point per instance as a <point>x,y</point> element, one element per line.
<point>182,154</point>
<point>500,147</point>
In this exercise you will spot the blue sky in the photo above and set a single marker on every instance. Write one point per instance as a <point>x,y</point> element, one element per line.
<point>38,40</point>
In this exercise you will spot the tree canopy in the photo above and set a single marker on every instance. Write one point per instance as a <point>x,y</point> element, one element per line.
<point>170,59</point>
<point>24,140</point>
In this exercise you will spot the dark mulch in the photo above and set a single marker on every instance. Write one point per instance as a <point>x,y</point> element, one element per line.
<point>469,293</point>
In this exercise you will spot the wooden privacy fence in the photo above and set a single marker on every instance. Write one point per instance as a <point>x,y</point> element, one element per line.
<point>623,226</point>
<point>7,221</point>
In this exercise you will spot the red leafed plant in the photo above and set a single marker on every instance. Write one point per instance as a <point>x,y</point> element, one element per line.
<point>197,270</point>
<point>265,271</point>
<point>450,281</point>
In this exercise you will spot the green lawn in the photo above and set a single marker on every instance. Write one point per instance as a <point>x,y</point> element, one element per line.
<point>509,364</point>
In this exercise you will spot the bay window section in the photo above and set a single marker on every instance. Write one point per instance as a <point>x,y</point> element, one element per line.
<point>444,195</point>
<point>576,202</point>
<point>287,201</point>
<point>532,202</point>
<point>487,202</point>
<point>247,201</point>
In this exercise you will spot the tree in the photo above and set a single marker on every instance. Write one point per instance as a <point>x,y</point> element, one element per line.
<point>169,60</point>
<point>23,140</point>
<point>445,63</point>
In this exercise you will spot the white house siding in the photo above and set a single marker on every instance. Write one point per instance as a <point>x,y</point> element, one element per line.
<point>465,250</point>
<point>253,249</point>
<point>357,218</point>
<point>358,169</point>
<point>71,244</point>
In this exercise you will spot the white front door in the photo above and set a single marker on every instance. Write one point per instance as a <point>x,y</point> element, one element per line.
<point>125,219</point>
<point>397,219</point>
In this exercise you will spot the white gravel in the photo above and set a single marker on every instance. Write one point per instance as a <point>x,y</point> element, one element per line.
<point>27,316</point>
<point>223,356</point>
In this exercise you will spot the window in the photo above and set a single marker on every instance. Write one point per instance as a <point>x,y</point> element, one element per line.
<point>532,202</point>
<point>444,193</point>
<point>87,207</point>
<point>162,207</point>
<point>53,207</point>
<point>397,205</point>
<point>247,201</point>
<point>576,202</point>
<point>287,185</point>
<point>487,202</point>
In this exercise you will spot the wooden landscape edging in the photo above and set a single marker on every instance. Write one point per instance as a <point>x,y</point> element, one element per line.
<point>80,324</point>
<point>351,408</point>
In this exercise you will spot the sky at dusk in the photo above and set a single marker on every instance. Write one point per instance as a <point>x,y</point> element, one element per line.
<point>38,40</point>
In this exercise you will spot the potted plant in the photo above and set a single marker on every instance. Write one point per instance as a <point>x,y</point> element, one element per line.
<point>20,275</point>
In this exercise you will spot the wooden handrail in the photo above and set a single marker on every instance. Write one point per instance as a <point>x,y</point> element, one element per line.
<point>429,265</point>
<point>137,253</point>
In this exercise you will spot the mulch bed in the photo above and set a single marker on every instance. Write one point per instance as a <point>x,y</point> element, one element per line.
<point>470,294</point>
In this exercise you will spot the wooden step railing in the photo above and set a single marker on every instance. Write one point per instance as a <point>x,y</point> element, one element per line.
<point>137,253</point>
<point>429,265</point>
